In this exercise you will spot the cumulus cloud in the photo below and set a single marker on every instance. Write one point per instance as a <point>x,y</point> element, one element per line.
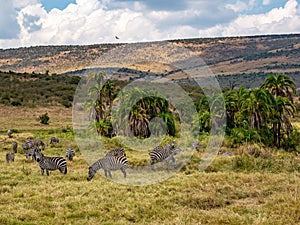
<point>279,20</point>
<point>94,21</point>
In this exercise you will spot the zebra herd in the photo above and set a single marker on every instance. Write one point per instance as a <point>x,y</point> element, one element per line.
<point>33,149</point>
<point>113,160</point>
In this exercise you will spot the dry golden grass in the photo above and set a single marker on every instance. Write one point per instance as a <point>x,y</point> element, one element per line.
<point>231,193</point>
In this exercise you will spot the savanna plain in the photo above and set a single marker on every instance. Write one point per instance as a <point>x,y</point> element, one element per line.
<point>238,189</point>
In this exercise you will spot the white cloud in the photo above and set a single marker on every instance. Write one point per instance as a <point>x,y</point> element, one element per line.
<point>93,21</point>
<point>238,6</point>
<point>279,20</point>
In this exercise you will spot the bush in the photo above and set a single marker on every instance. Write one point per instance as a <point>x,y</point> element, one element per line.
<point>44,119</point>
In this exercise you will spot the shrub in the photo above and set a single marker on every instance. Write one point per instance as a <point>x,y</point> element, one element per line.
<point>44,119</point>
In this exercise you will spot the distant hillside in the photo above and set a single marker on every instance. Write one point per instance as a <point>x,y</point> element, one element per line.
<point>234,56</point>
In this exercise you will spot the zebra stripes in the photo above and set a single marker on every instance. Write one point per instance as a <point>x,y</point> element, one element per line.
<point>10,157</point>
<point>70,153</point>
<point>50,163</point>
<point>160,148</point>
<point>107,164</point>
<point>166,154</point>
<point>116,152</point>
<point>31,152</point>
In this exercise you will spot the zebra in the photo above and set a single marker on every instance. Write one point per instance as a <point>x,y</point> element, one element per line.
<point>28,144</point>
<point>9,133</point>
<point>10,157</point>
<point>50,163</point>
<point>54,140</point>
<point>116,152</point>
<point>165,154</point>
<point>167,146</point>
<point>70,153</point>
<point>108,163</point>
<point>14,146</point>
<point>31,153</point>
<point>31,143</point>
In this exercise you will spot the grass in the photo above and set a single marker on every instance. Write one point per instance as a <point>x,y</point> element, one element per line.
<point>242,189</point>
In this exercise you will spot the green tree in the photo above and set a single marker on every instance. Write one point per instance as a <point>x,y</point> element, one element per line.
<point>282,88</point>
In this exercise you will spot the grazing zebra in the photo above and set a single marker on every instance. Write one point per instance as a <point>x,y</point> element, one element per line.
<point>166,154</point>
<point>9,133</point>
<point>108,163</point>
<point>14,146</point>
<point>70,153</point>
<point>31,153</point>
<point>50,163</point>
<point>10,157</point>
<point>54,140</point>
<point>28,144</point>
<point>31,143</point>
<point>116,152</point>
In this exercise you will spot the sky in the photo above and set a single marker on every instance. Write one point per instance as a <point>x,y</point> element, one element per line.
<point>78,22</point>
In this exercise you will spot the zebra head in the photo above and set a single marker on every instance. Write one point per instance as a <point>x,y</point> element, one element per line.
<point>173,143</point>
<point>91,173</point>
<point>37,155</point>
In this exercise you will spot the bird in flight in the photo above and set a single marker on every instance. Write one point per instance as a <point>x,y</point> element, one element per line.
<point>116,37</point>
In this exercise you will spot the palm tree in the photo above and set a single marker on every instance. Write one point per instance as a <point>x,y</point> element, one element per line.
<point>139,107</point>
<point>99,102</point>
<point>257,106</point>
<point>95,91</point>
<point>284,109</point>
<point>282,88</point>
<point>280,85</point>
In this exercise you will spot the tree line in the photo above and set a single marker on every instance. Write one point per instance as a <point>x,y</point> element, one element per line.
<point>260,115</point>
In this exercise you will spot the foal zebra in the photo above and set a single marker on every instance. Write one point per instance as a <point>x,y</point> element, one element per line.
<point>107,164</point>
<point>70,153</point>
<point>50,163</point>
<point>116,152</point>
<point>166,154</point>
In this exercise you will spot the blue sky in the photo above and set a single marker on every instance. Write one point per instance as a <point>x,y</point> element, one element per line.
<point>52,22</point>
<point>59,4</point>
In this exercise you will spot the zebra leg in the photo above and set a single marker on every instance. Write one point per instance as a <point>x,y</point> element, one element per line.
<point>42,171</point>
<point>167,164</point>
<point>105,171</point>
<point>174,162</point>
<point>109,173</point>
<point>123,171</point>
<point>47,171</point>
<point>152,165</point>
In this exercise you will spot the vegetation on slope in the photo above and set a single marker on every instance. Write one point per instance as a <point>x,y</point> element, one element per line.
<point>36,89</point>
